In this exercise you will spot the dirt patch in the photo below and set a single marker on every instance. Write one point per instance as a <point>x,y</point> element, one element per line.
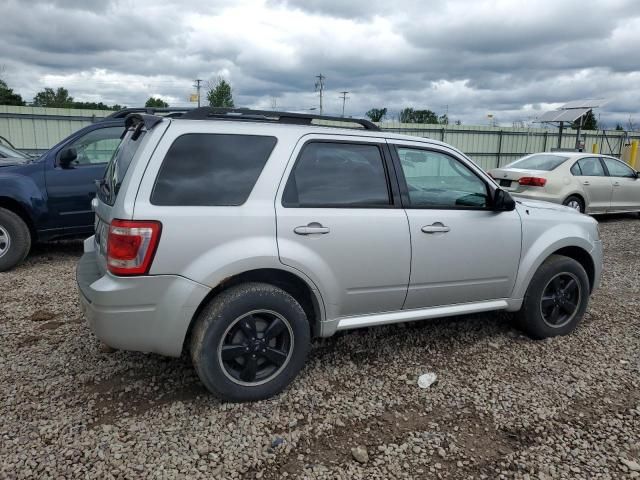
<point>50,325</point>
<point>42,316</point>
<point>474,437</point>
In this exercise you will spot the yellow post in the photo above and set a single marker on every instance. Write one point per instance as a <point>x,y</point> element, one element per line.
<point>594,148</point>
<point>633,158</point>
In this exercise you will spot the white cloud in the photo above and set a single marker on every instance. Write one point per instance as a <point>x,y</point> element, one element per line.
<point>510,58</point>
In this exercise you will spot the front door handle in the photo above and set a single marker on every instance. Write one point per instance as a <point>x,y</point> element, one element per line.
<point>436,227</point>
<point>586,182</point>
<point>616,184</point>
<point>311,229</point>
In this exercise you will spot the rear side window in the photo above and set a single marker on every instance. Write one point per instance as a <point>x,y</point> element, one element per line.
<point>591,167</point>
<point>338,175</point>
<point>544,162</point>
<point>204,169</point>
<point>118,165</point>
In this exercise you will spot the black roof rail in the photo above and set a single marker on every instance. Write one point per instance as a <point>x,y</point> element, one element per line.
<point>210,113</point>
<point>170,111</point>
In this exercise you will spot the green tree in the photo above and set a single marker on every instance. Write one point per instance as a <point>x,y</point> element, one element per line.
<point>443,119</point>
<point>409,115</point>
<point>589,122</point>
<point>8,96</point>
<point>619,127</point>
<point>53,98</point>
<point>220,94</point>
<point>156,103</point>
<point>376,114</point>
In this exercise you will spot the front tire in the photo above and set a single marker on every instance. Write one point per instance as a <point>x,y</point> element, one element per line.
<point>556,299</point>
<point>250,342</point>
<point>15,240</point>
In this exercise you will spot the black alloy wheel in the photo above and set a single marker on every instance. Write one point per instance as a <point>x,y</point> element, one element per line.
<point>560,300</point>
<point>256,347</point>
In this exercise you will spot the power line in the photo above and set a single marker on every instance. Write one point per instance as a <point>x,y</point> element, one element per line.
<point>320,87</point>
<point>343,96</point>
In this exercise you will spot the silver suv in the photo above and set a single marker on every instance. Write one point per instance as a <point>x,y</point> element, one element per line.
<point>240,235</point>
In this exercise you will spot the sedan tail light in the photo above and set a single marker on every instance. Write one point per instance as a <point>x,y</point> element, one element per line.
<point>533,181</point>
<point>131,245</point>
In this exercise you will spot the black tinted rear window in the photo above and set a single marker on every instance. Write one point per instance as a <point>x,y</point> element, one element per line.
<point>538,162</point>
<point>204,169</point>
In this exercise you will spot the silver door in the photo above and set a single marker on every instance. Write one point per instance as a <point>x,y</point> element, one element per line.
<point>461,250</point>
<point>625,185</point>
<point>595,184</point>
<point>338,224</point>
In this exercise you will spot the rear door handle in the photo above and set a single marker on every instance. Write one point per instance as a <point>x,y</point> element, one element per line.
<point>436,227</point>
<point>616,184</point>
<point>586,182</point>
<point>312,229</point>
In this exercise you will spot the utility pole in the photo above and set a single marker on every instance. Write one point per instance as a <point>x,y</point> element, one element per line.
<point>344,97</point>
<point>197,85</point>
<point>320,87</point>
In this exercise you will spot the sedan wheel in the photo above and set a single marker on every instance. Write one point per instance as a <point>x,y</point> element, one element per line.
<point>574,202</point>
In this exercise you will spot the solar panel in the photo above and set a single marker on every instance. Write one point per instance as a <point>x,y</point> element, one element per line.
<point>591,103</point>
<point>563,115</point>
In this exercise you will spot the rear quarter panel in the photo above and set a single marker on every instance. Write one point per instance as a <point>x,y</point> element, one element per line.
<point>208,244</point>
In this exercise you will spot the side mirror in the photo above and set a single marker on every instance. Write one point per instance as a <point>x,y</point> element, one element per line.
<point>502,201</point>
<point>67,156</point>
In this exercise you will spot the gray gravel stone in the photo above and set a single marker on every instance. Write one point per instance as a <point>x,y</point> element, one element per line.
<point>504,406</point>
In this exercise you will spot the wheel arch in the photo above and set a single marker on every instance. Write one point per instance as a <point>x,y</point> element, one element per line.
<point>308,297</point>
<point>572,244</point>
<point>16,207</point>
<point>581,256</point>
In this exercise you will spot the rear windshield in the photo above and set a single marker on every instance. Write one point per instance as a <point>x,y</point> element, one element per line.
<point>118,166</point>
<point>538,162</point>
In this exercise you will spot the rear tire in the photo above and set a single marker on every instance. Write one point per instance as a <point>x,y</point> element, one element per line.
<point>556,299</point>
<point>250,342</point>
<point>575,202</point>
<point>15,240</point>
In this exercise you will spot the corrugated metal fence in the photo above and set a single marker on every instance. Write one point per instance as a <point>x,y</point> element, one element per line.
<point>36,129</point>
<point>490,147</point>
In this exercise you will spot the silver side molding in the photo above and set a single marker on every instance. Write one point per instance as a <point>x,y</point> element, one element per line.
<point>346,323</point>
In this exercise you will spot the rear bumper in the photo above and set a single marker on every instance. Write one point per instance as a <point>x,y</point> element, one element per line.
<point>146,313</point>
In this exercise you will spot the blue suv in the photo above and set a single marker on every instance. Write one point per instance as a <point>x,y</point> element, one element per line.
<point>50,197</point>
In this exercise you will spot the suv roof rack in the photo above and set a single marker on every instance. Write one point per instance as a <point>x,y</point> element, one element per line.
<point>246,114</point>
<point>169,111</point>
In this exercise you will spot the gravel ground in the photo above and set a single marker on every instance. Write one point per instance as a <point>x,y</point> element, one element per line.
<point>504,406</point>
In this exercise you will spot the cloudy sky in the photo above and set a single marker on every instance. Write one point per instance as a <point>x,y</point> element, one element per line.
<point>513,59</point>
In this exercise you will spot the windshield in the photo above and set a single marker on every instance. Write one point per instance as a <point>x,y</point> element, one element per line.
<point>544,162</point>
<point>118,165</point>
<point>8,152</point>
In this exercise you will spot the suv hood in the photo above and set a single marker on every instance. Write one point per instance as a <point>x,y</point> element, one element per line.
<point>11,162</point>
<point>525,202</point>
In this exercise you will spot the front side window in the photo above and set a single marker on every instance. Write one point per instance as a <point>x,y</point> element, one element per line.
<point>205,169</point>
<point>437,180</point>
<point>338,175</point>
<point>97,146</point>
<point>618,169</point>
<point>590,167</point>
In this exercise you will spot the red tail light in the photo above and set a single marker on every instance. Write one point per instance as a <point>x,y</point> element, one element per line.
<point>131,246</point>
<point>533,181</point>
